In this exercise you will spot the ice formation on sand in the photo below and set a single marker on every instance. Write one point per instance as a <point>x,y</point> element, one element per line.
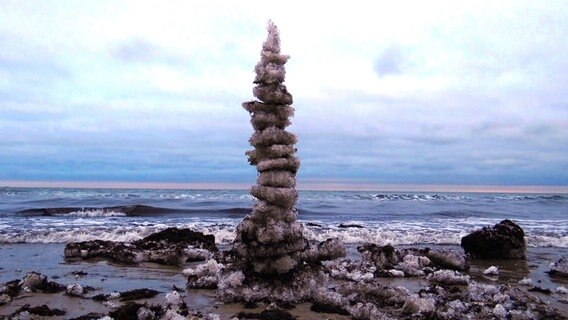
<point>271,258</point>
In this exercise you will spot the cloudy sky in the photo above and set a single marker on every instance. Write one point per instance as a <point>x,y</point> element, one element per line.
<point>421,92</point>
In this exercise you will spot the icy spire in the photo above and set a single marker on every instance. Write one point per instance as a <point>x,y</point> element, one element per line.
<point>271,259</point>
<point>270,236</point>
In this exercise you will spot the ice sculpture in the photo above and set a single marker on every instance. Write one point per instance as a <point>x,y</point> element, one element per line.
<point>271,258</point>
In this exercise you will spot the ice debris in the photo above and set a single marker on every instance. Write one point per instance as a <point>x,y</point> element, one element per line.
<point>491,271</point>
<point>448,277</point>
<point>561,290</point>
<point>204,276</point>
<point>174,299</point>
<point>75,290</point>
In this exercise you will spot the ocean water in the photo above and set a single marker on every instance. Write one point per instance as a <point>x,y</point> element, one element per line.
<point>37,215</point>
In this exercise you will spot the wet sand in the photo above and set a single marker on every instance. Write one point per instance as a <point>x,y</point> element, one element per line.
<point>104,277</point>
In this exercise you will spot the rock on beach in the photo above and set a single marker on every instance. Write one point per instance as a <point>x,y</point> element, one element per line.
<point>505,240</point>
<point>171,246</point>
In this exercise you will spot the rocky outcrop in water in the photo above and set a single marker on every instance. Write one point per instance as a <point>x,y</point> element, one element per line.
<point>505,240</point>
<point>270,252</point>
<point>559,268</point>
<point>171,246</point>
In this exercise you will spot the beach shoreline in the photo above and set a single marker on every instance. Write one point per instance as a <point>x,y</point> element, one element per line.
<point>105,277</point>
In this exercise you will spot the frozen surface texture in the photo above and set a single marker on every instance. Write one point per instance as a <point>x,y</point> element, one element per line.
<point>271,258</point>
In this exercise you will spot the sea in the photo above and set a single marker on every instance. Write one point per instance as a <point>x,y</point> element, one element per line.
<point>36,223</point>
<point>52,215</point>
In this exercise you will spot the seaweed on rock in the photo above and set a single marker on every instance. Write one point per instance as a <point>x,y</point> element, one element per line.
<point>271,259</point>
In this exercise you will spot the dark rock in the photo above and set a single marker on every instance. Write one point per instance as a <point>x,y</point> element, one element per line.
<point>100,297</point>
<point>447,259</point>
<point>540,289</point>
<point>350,225</point>
<point>171,246</point>
<point>312,224</point>
<point>165,238</point>
<point>266,315</point>
<point>559,268</point>
<point>384,257</point>
<point>178,289</point>
<point>113,251</point>
<point>128,311</point>
<point>11,288</point>
<point>89,316</point>
<point>326,308</point>
<point>42,310</point>
<point>4,299</point>
<point>137,294</point>
<point>505,240</point>
<point>38,282</point>
<point>250,305</point>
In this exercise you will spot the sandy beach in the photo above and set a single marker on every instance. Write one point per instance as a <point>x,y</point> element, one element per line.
<point>104,277</point>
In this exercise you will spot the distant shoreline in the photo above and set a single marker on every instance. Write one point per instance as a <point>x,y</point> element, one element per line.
<point>302,186</point>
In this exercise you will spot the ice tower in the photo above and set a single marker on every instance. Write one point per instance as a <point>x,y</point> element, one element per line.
<point>271,258</point>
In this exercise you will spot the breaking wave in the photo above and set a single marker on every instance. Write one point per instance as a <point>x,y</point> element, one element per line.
<point>130,211</point>
<point>396,233</point>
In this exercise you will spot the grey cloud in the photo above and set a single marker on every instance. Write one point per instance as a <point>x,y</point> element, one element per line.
<point>389,62</point>
<point>140,50</point>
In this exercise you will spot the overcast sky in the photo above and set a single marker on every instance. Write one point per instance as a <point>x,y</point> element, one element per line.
<point>419,92</point>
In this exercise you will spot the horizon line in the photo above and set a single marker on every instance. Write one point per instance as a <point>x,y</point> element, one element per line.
<point>316,185</point>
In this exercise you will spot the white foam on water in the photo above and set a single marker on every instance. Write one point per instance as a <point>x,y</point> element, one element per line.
<point>386,236</point>
<point>547,241</point>
<point>93,213</point>
<point>59,230</point>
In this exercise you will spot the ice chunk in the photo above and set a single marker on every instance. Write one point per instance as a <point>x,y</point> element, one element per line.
<point>449,277</point>
<point>412,265</point>
<point>145,313</point>
<point>204,276</point>
<point>481,292</point>
<point>491,271</point>
<point>172,315</point>
<point>173,298</point>
<point>396,273</point>
<point>561,290</point>
<point>499,311</point>
<point>75,290</point>
<point>366,311</point>
<point>415,304</point>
